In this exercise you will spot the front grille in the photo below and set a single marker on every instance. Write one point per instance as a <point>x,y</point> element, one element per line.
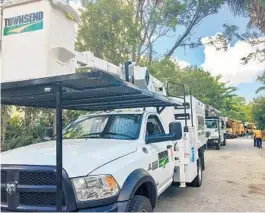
<point>3,176</point>
<point>38,199</point>
<point>35,189</point>
<point>37,178</point>
<point>3,196</point>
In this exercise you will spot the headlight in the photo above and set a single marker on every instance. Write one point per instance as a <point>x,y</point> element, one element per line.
<point>95,187</point>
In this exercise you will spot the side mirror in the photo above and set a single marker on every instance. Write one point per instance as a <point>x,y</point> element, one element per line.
<point>175,133</point>
<point>175,128</point>
<point>208,134</point>
<point>48,133</point>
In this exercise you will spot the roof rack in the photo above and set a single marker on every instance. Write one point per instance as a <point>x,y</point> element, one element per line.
<point>93,91</point>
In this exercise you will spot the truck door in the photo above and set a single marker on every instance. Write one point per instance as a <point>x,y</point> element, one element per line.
<point>222,130</point>
<point>163,151</point>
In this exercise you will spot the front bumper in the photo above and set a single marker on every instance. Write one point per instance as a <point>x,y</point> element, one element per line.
<point>212,142</point>
<point>115,207</point>
<point>229,135</point>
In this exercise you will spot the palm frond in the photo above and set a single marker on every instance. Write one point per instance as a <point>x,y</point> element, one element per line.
<point>260,89</point>
<point>261,78</point>
<point>239,7</point>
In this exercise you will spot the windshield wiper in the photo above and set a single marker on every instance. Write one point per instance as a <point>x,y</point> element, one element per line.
<point>93,135</point>
<point>119,134</point>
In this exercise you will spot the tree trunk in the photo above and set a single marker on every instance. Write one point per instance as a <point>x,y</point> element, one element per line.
<point>150,56</point>
<point>134,53</point>
<point>138,57</point>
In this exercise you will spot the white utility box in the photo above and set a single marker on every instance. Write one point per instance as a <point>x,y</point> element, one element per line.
<point>38,38</point>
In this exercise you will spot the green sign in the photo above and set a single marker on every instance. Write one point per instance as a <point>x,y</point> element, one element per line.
<point>163,158</point>
<point>23,23</point>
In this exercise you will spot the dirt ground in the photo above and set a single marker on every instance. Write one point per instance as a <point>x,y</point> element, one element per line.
<point>234,180</point>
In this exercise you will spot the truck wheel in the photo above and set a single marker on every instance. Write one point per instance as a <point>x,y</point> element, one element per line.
<point>140,204</point>
<point>201,156</point>
<point>217,146</point>
<point>224,144</point>
<point>197,182</point>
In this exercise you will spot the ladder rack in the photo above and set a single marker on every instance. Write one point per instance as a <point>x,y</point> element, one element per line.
<point>93,91</point>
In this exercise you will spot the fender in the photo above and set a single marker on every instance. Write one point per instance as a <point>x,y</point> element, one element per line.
<point>134,181</point>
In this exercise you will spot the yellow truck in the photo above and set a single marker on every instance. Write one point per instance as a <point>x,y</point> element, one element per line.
<point>229,129</point>
<point>241,129</point>
<point>251,127</point>
<point>235,131</point>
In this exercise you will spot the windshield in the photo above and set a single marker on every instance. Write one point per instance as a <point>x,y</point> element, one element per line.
<point>211,123</point>
<point>228,125</point>
<point>123,127</point>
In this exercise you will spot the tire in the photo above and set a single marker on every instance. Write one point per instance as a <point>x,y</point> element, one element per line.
<point>140,203</point>
<point>224,143</point>
<point>201,156</point>
<point>197,182</point>
<point>217,146</point>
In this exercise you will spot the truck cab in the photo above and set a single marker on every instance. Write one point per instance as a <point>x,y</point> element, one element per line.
<point>215,127</point>
<point>110,161</point>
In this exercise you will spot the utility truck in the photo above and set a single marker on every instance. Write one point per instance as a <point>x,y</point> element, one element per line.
<point>193,116</point>
<point>121,157</point>
<point>216,128</point>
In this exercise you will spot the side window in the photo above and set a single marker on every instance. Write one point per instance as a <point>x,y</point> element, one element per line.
<point>154,126</point>
<point>200,122</point>
<point>222,124</point>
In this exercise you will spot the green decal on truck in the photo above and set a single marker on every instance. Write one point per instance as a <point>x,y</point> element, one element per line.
<point>163,158</point>
<point>23,23</point>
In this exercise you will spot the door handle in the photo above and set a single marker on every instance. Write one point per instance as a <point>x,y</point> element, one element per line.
<point>169,146</point>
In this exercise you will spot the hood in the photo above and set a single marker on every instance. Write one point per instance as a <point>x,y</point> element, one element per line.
<point>80,156</point>
<point>213,132</point>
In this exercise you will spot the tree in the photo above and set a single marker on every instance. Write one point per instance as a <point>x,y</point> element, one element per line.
<point>255,10</point>
<point>5,114</point>
<point>128,28</point>
<point>107,29</point>
<point>153,20</point>
<point>190,18</point>
<point>205,87</point>
<point>259,112</point>
<point>261,79</point>
<point>236,108</point>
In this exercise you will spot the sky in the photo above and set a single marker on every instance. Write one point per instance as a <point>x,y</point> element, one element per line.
<point>228,63</point>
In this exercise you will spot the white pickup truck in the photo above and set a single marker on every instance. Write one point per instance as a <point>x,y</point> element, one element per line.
<point>112,161</point>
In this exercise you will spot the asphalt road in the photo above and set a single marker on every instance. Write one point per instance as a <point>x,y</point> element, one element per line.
<point>234,180</point>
